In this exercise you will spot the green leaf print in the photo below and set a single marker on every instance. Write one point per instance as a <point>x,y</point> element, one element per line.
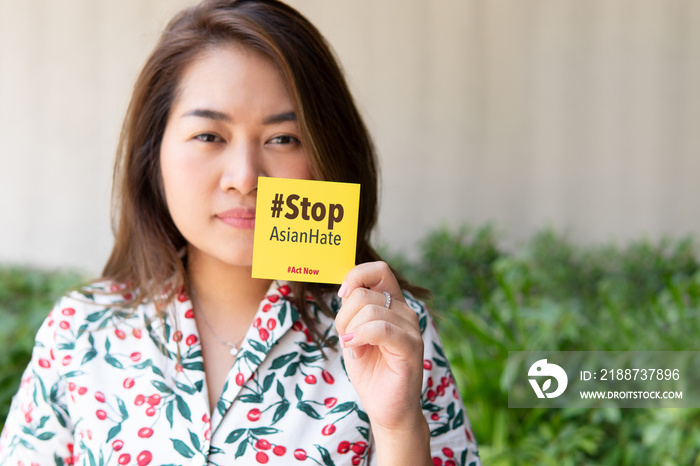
<point>283,360</point>
<point>182,448</point>
<point>235,435</point>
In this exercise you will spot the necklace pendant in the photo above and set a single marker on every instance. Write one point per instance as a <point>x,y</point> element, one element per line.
<point>232,349</point>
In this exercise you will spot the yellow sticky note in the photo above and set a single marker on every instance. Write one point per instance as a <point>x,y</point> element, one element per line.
<point>305,231</point>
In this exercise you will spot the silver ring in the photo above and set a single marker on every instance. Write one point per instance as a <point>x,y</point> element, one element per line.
<point>387,303</point>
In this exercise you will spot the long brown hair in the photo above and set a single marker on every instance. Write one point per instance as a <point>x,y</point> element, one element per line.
<point>337,144</point>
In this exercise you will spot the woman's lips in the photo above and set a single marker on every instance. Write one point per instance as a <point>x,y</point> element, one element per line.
<point>239,218</point>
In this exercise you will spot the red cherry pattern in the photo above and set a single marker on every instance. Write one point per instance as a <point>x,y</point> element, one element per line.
<point>254,415</point>
<point>327,377</point>
<point>144,458</point>
<point>279,450</point>
<point>263,448</point>
<point>330,402</point>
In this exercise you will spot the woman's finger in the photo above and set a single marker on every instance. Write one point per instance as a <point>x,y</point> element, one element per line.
<point>396,339</point>
<point>358,299</point>
<point>374,312</point>
<point>375,276</point>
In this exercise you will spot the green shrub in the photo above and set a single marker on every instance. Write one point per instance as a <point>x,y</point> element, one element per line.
<point>26,297</point>
<point>552,295</point>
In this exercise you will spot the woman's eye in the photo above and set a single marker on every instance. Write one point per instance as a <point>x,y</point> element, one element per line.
<point>284,139</point>
<point>208,137</point>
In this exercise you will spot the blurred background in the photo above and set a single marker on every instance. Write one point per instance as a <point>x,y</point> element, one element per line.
<point>581,115</point>
<point>569,126</point>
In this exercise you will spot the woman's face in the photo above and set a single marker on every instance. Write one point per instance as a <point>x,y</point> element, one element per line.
<point>232,120</point>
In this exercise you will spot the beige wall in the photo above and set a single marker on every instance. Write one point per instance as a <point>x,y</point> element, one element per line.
<point>578,114</point>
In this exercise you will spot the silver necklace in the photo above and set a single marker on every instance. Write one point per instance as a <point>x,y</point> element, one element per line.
<point>233,349</point>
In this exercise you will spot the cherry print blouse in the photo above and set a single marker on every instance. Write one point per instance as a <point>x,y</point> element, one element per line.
<point>109,386</point>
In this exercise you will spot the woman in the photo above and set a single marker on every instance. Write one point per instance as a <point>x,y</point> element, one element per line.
<point>178,356</point>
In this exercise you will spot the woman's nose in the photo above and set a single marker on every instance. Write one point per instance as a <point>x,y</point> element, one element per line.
<point>242,166</point>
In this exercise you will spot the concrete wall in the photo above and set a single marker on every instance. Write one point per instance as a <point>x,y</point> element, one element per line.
<point>576,114</point>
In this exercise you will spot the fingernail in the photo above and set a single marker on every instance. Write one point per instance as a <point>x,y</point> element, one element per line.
<point>351,355</point>
<point>343,288</point>
<point>347,337</point>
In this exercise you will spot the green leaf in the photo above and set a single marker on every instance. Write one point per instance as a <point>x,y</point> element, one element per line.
<point>42,421</point>
<point>362,415</point>
<point>308,410</point>
<point>221,407</point>
<point>263,431</point>
<point>169,411</point>
<point>299,394</point>
<point>241,449</point>
<point>122,409</point>
<point>342,407</point>
<point>112,361</point>
<point>91,457</point>
<point>186,388</point>
<point>252,357</point>
<point>280,411</point>
<point>282,315</point>
<point>364,432</point>
<point>439,350</point>
<point>45,436</point>
<point>257,346</point>
<point>234,435</point>
<point>423,324</point>
<point>450,410</point>
<point>161,387</point>
<point>251,398</point>
<point>194,366</point>
<point>195,441</point>
<point>182,448</point>
<point>309,348</point>
<point>304,359</point>
<point>280,389</point>
<point>267,383</point>
<point>95,316</point>
<point>113,432</point>
<point>59,416</point>
<point>440,430</point>
<point>433,408</point>
<point>89,356</point>
<point>183,408</point>
<point>459,420</point>
<point>283,360</point>
<point>108,345</point>
<point>325,456</point>
<point>291,369</point>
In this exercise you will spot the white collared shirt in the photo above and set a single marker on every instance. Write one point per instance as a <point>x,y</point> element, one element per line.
<point>109,386</point>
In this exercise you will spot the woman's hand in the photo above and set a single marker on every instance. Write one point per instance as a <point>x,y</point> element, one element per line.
<point>384,358</point>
